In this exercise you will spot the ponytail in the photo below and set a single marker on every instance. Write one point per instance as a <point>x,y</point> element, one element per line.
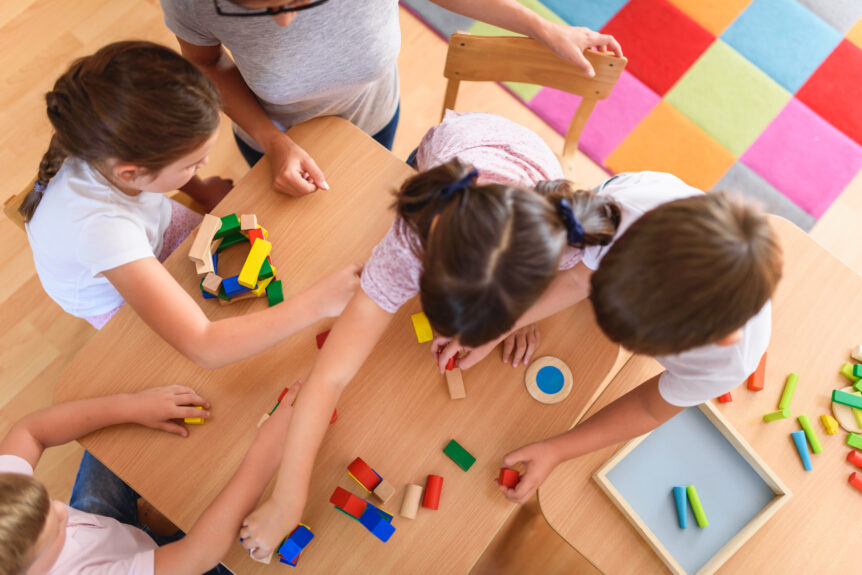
<point>590,219</point>
<point>51,163</point>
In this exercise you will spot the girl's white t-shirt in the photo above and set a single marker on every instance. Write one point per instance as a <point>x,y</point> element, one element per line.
<point>84,226</point>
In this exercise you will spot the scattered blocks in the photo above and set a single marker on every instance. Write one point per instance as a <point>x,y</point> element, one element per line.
<point>251,268</point>
<point>348,502</point>
<point>422,327</point>
<point>200,251</point>
<point>274,293</point>
<point>194,420</point>
<point>725,398</point>
<point>845,398</point>
<point>376,523</point>
<point>433,489</point>
<point>548,380</point>
<point>321,338</point>
<point>384,491</point>
<point>830,424</point>
<point>802,448</point>
<point>509,477</point>
<point>854,441</point>
<point>248,222</point>
<point>776,415</point>
<point>787,394</point>
<point>847,371</point>
<point>229,225</point>
<point>410,503</point>
<point>757,379</point>
<point>856,480</point>
<point>364,475</point>
<point>455,382</point>
<point>810,435</point>
<point>679,495</point>
<point>696,507</point>
<point>855,457</point>
<point>459,455</point>
<point>294,544</point>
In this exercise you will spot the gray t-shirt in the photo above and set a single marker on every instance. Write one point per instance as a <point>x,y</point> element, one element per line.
<point>337,59</point>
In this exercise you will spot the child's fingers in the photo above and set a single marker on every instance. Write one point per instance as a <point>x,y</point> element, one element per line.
<point>173,427</point>
<point>513,458</point>
<point>315,173</point>
<point>185,411</point>
<point>520,348</point>
<point>191,398</point>
<point>292,392</point>
<point>532,344</point>
<point>508,346</point>
<point>447,353</point>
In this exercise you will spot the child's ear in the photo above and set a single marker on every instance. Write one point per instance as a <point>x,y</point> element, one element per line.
<point>731,338</point>
<point>126,173</point>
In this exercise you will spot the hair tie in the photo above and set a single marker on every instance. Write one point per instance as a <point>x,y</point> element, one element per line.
<point>39,187</point>
<point>574,229</point>
<point>450,190</point>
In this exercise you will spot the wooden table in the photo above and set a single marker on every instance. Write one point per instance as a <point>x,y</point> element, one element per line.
<point>817,320</point>
<point>396,414</point>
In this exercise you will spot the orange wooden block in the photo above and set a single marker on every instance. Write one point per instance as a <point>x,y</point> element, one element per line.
<point>757,379</point>
<point>725,398</point>
<point>667,141</point>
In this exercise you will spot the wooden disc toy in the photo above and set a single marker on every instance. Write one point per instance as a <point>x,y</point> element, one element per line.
<point>548,380</point>
<point>844,414</point>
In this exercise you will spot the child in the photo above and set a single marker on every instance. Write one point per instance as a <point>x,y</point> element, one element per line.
<point>478,246</point>
<point>43,536</point>
<point>132,122</point>
<point>689,283</point>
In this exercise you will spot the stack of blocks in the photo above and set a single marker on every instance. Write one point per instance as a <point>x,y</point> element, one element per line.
<point>377,521</point>
<point>294,544</point>
<point>258,275</point>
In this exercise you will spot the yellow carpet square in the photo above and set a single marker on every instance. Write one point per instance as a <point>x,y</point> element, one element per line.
<point>714,16</point>
<point>855,34</point>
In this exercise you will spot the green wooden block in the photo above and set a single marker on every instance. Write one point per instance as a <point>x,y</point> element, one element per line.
<point>845,398</point>
<point>231,240</point>
<point>696,507</point>
<point>459,455</point>
<point>274,293</point>
<point>776,415</point>
<point>229,225</point>
<point>847,371</point>
<point>265,270</point>
<point>789,388</point>
<point>854,441</point>
<point>857,370</point>
<point>810,435</point>
<point>858,386</point>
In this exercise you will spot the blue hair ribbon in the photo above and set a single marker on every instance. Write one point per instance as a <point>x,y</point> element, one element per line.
<point>450,190</point>
<point>39,186</point>
<point>574,229</point>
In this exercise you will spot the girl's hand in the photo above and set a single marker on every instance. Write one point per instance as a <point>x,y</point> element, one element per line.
<point>267,525</point>
<point>539,460</point>
<point>569,43</point>
<point>521,345</point>
<point>334,291</point>
<point>293,171</point>
<point>156,407</point>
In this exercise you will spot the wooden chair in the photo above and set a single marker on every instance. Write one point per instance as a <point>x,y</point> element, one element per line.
<point>518,59</point>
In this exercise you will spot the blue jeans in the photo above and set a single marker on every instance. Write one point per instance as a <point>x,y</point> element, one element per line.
<point>97,490</point>
<point>384,137</point>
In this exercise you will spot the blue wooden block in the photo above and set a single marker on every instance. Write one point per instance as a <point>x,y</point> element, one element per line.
<point>681,506</point>
<point>376,522</point>
<point>380,512</point>
<point>294,544</point>
<point>215,262</point>
<point>802,448</point>
<point>232,288</point>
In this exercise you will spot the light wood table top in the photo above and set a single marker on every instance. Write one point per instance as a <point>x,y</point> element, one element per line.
<point>396,414</point>
<point>817,320</point>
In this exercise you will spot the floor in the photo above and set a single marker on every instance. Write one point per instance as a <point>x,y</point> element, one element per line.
<point>38,38</point>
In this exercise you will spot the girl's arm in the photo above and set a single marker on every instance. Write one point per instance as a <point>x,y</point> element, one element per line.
<point>635,413</point>
<point>173,314</point>
<point>568,42</point>
<point>66,422</point>
<point>216,529</point>
<point>289,161</point>
<point>350,342</point>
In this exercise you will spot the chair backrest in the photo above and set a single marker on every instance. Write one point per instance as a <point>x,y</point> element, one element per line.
<point>10,207</point>
<point>519,59</point>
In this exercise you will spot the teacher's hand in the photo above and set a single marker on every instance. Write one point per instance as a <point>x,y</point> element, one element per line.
<point>569,43</point>
<point>294,172</point>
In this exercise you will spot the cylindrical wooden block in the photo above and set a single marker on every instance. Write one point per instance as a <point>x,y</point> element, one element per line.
<point>410,504</point>
<point>855,457</point>
<point>696,507</point>
<point>433,487</point>
<point>856,480</point>
<point>509,477</point>
<point>789,388</point>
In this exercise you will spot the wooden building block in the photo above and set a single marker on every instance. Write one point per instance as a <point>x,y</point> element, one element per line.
<point>776,415</point>
<point>422,327</point>
<point>459,455</point>
<point>194,420</point>
<point>847,371</point>
<point>857,353</point>
<point>856,480</point>
<point>433,489</point>
<point>267,270</point>
<point>334,417</point>
<point>247,222</point>
<point>854,440</point>
<point>757,379</point>
<point>830,423</point>
<point>232,287</point>
<point>261,287</point>
<point>231,240</point>
<point>266,560</point>
<point>384,491</point>
<point>725,398</point>
<point>251,268</point>
<point>274,293</point>
<point>321,338</point>
<point>263,418</point>
<point>410,503</point>
<point>509,477</point>
<point>679,496</point>
<point>205,266</point>
<point>450,365</point>
<point>810,435</point>
<point>254,235</point>
<point>789,389</point>
<point>802,448</point>
<point>348,502</point>
<point>696,506</point>
<point>376,524</point>
<point>211,283</point>
<point>855,457</point>
<point>234,299</point>
<point>857,370</point>
<point>364,474</point>
<point>228,225</point>
<point>455,383</point>
<point>295,543</point>
<point>201,246</point>
<point>845,398</point>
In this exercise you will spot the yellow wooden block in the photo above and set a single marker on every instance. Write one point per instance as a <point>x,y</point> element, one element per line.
<point>195,420</point>
<point>830,423</point>
<point>261,286</point>
<point>714,16</point>
<point>667,141</point>
<point>265,233</point>
<point>422,327</point>
<point>251,268</point>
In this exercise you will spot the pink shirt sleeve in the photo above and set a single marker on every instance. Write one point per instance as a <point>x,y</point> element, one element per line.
<point>391,275</point>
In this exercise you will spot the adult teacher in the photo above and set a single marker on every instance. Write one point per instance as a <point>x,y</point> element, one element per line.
<point>293,61</point>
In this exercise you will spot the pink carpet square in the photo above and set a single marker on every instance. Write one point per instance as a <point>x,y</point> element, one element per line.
<point>805,157</point>
<point>611,121</point>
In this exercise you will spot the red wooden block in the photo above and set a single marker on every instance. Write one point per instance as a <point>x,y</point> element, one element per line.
<point>834,93</point>
<point>321,338</point>
<point>348,502</point>
<point>451,364</point>
<point>661,41</point>
<point>726,398</point>
<point>509,477</point>
<point>364,474</point>
<point>281,396</point>
<point>254,234</point>
<point>334,416</point>
<point>855,457</point>
<point>856,480</point>
<point>433,487</point>
<point>756,379</point>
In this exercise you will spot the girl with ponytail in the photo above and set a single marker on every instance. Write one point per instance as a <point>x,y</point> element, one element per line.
<point>132,122</point>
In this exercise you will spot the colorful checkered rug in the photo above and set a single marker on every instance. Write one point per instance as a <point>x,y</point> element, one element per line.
<point>761,96</point>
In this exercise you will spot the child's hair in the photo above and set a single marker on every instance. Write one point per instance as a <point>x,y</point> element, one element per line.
<point>687,274</point>
<point>491,250</point>
<point>135,102</point>
<point>24,507</point>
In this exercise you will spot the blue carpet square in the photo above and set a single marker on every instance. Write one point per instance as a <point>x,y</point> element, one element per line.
<point>593,14</point>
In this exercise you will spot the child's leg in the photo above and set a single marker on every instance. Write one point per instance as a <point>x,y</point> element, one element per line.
<point>183,222</point>
<point>97,490</point>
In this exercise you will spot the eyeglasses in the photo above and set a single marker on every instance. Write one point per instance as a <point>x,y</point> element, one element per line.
<point>296,6</point>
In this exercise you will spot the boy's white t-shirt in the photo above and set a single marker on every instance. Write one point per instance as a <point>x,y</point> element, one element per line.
<point>84,226</point>
<point>705,372</point>
<point>95,545</point>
